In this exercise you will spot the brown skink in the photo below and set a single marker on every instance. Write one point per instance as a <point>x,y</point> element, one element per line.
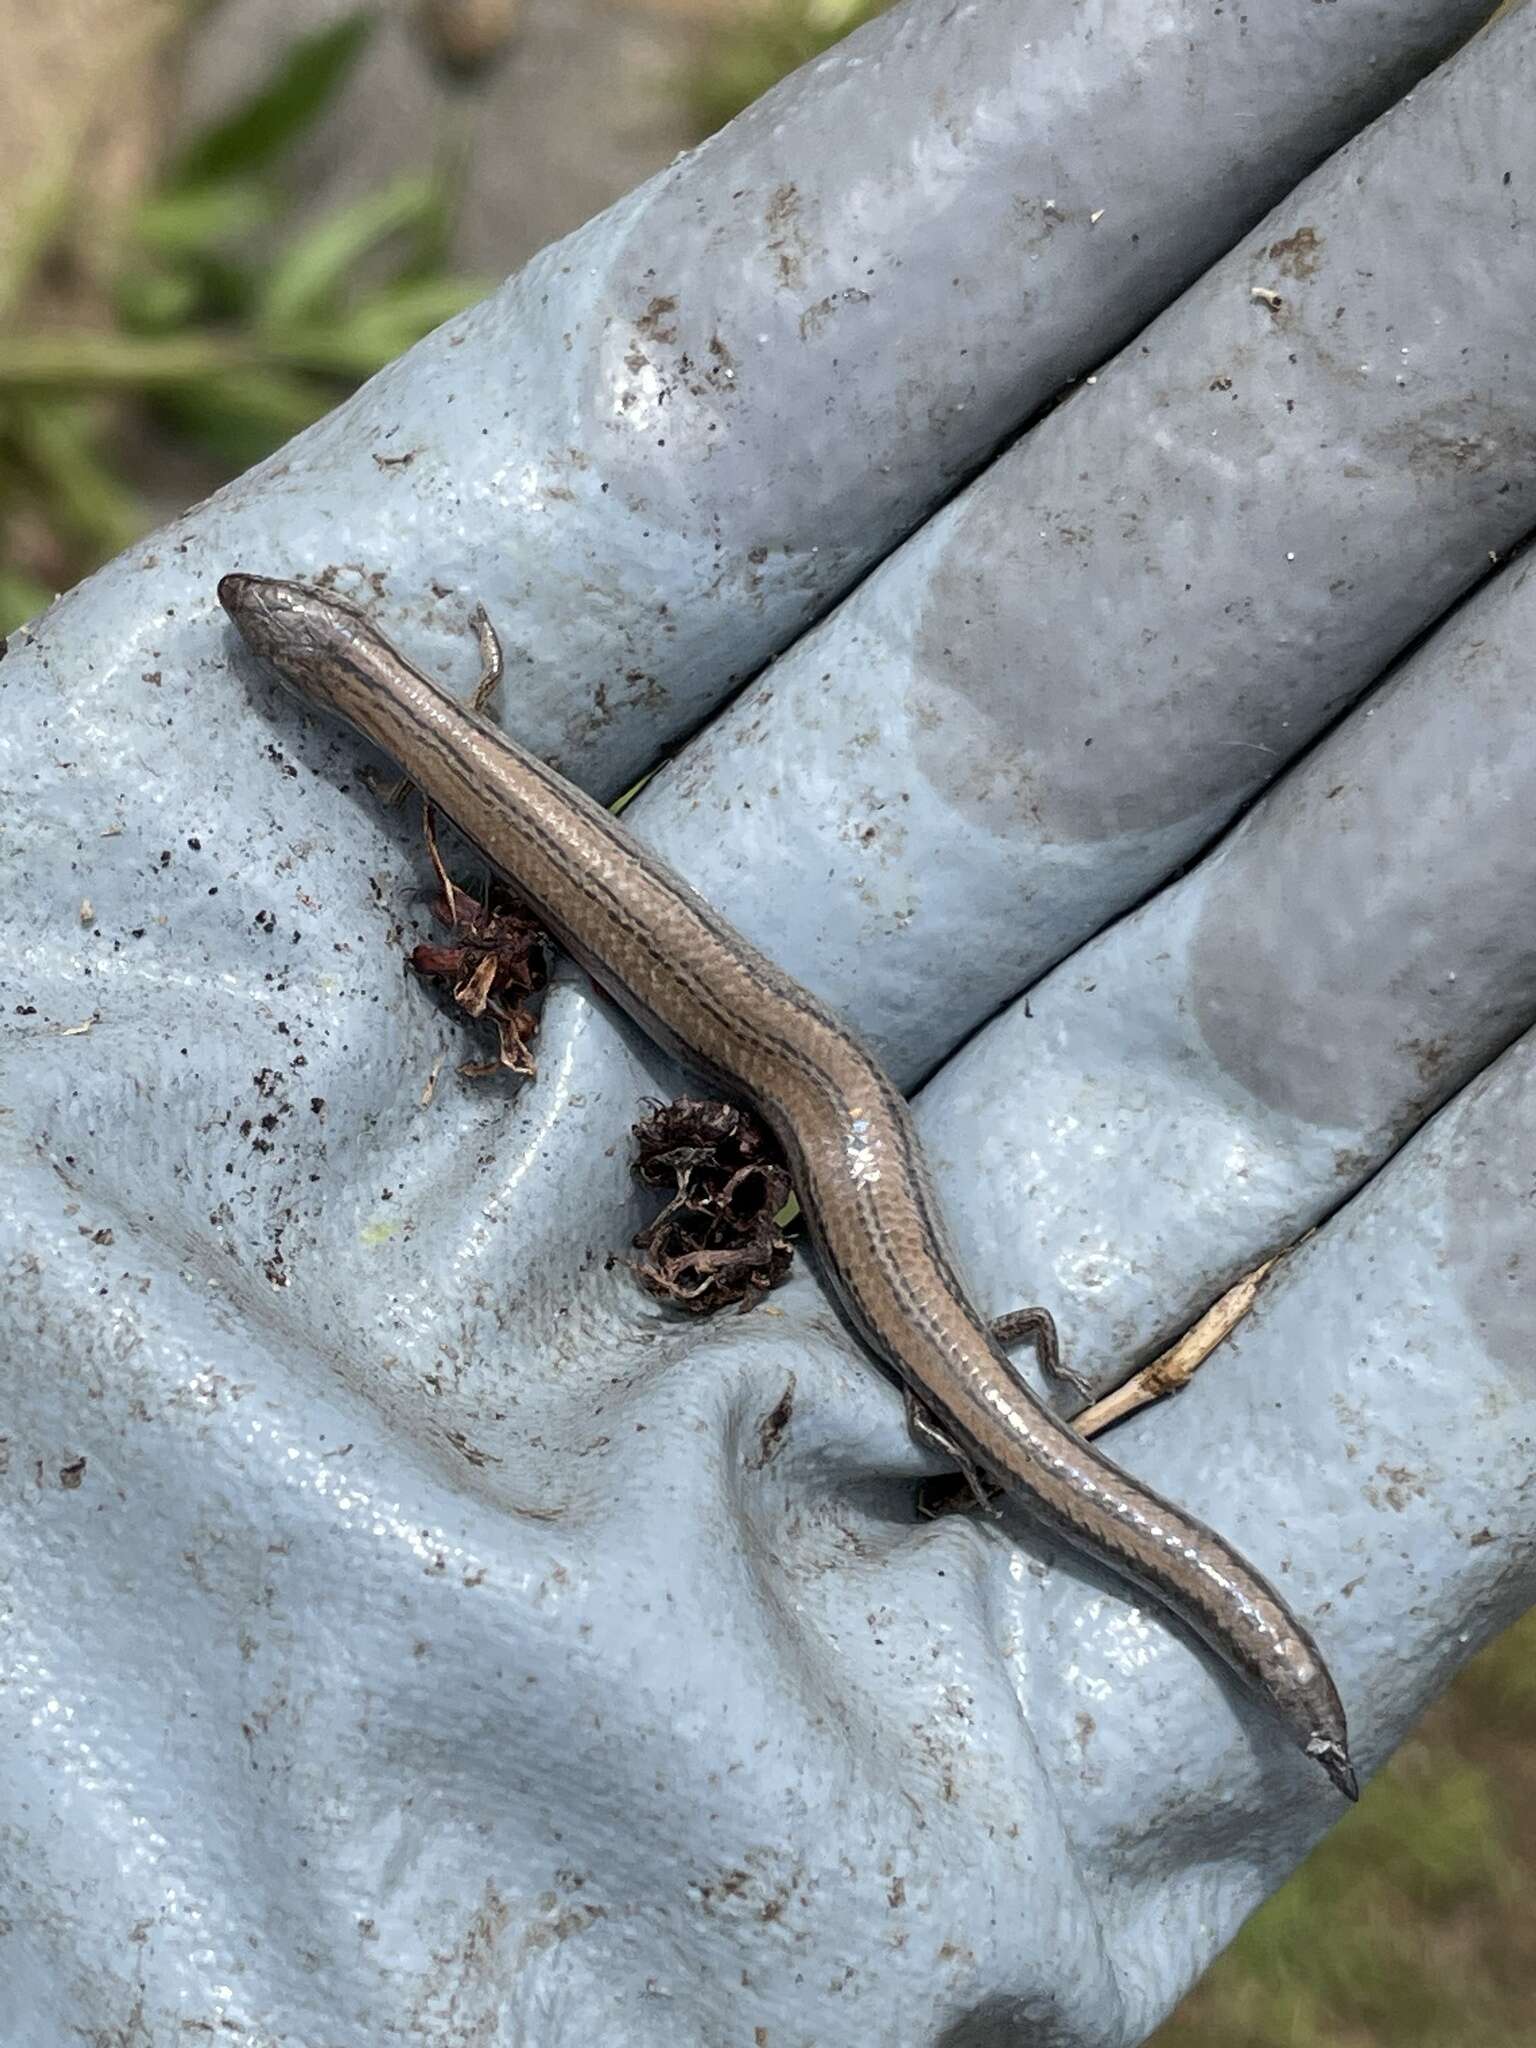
<point>702,992</point>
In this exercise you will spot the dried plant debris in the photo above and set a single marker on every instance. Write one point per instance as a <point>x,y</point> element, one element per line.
<point>497,957</point>
<point>1168,1374</point>
<point>718,1239</point>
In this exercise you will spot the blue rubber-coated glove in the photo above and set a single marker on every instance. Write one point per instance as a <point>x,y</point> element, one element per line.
<point>414,1633</point>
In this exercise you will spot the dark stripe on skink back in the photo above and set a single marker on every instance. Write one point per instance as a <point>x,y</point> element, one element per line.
<point>702,990</point>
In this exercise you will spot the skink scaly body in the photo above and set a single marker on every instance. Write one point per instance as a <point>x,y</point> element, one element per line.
<point>702,991</point>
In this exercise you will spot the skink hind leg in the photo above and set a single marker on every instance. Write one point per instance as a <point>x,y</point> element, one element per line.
<point>925,1431</point>
<point>1036,1326</point>
<point>1039,1327</point>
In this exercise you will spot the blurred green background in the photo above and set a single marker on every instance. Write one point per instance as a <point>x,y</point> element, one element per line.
<point>222,215</point>
<point>337,182</point>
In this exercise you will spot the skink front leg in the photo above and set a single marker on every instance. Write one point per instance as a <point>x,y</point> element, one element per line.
<point>492,663</point>
<point>492,667</point>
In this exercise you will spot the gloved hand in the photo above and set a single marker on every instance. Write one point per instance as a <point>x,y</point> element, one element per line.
<point>418,1634</point>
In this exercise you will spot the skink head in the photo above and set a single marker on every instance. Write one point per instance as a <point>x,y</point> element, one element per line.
<point>286,622</point>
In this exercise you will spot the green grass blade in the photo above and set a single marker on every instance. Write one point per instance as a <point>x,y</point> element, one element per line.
<point>310,275</point>
<point>261,126</point>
